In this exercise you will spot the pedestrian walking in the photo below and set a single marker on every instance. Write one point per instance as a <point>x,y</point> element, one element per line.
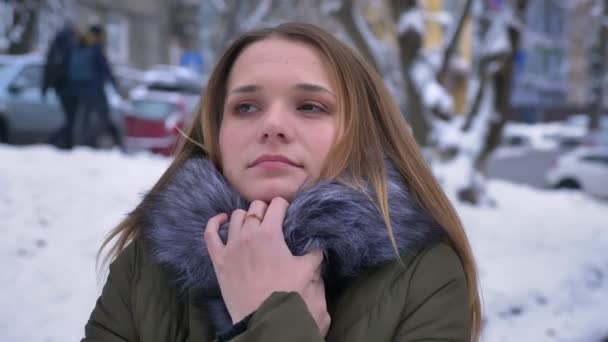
<point>56,77</point>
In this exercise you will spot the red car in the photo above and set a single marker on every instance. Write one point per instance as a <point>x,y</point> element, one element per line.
<point>154,120</point>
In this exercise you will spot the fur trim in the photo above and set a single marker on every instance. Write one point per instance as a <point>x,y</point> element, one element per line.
<point>341,221</point>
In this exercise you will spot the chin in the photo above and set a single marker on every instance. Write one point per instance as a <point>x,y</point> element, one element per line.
<point>267,193</point>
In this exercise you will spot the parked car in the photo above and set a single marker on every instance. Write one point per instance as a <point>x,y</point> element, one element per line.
<point>584,168</point>
<point>154,121</point>
<point>597,137</point>
<point>170,79</point>
<point>542,136</point>
<point>25,116</point>
<point>128,77</point>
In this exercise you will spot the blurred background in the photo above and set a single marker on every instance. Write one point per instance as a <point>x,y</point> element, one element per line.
<point>507,98</point>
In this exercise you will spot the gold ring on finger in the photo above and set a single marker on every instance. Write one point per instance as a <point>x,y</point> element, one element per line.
<point>255,216</point>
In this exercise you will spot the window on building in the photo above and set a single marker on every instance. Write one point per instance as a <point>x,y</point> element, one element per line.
<point>534,62</point>
<point>555,60</point>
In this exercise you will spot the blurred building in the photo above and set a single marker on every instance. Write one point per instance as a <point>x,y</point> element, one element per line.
<point>137,30</point>
<point>541,80</point>
<point>143,33</point>
<point>140,33</point>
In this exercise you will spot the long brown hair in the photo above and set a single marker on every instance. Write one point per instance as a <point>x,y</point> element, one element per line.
<point>371,128</point>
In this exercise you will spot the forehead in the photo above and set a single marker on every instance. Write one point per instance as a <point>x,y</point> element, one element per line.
<point>279,54</point>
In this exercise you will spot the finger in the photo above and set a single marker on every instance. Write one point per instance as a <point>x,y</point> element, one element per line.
<point>212,238</point>
<point>236,222</point>
<point>275,215</point>
<point>255,215</point>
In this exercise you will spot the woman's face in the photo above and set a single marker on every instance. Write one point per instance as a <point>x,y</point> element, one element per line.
<point>279,119</point>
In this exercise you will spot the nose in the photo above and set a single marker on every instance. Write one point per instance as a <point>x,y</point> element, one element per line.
<point>276,126</point>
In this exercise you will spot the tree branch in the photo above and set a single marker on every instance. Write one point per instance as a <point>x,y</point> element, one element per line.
<point>454,38</point>
<point>345,16</point>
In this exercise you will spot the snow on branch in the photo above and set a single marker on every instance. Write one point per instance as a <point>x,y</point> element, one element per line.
<point>412,20</point>
<point>496,41</point>
<point>12,25</point>
<point>443,18</point>
<point>434,96</point>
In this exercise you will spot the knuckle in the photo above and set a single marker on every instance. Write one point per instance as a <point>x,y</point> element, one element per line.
<point>247,236</point>
<point>265,232</point>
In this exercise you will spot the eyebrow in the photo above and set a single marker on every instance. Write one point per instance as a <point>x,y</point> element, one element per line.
<point>309,87</point>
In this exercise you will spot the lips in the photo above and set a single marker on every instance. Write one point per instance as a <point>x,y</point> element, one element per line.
<point>275,158</point>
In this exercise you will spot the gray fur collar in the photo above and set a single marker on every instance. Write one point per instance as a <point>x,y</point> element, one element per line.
<point>330,216</point>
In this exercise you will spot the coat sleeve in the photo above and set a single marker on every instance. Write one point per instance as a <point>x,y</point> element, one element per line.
<point>104,68</point>
<point>112,319</point>
<point>437,306</point>
<point>282,317</point>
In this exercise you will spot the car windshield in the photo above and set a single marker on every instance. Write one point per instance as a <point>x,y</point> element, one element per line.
<point>152,110</point>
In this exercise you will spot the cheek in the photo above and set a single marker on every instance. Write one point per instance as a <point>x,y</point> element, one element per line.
<point>320,144</point>
<point>229,139</point>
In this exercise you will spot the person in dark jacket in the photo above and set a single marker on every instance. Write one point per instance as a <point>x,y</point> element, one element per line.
<point>298,208</point>
<point>55,76</point>
<point>90,71</point>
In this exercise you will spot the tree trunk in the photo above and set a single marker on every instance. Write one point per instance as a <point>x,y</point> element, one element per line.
<point>26,42</point>
<point>503,83</point>
<point>345,16</point>
<point>410,43</point>
<point>454,39</point>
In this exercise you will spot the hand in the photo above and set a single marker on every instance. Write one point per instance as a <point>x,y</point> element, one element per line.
<point>255,262</point>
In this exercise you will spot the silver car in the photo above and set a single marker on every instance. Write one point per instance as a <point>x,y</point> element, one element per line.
<point>26,116</point>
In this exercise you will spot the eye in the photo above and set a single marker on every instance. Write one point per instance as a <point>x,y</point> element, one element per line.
<point>246,108</point>
<point>311,107</point>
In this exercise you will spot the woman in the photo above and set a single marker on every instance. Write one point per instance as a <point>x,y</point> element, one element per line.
<point>298,209</point>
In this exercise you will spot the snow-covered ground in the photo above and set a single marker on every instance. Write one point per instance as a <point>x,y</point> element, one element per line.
<point>543,256</point>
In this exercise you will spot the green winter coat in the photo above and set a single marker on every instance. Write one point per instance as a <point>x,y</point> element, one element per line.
<point>423,299</point>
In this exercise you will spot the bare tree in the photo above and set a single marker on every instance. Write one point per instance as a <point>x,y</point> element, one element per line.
<point>28,25</point>
<point>17,30</point>
<point>224,20</point>
<point>502,82</point>
<point>463,141</point>
<point>410,34</point>
<point>345,14</point>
